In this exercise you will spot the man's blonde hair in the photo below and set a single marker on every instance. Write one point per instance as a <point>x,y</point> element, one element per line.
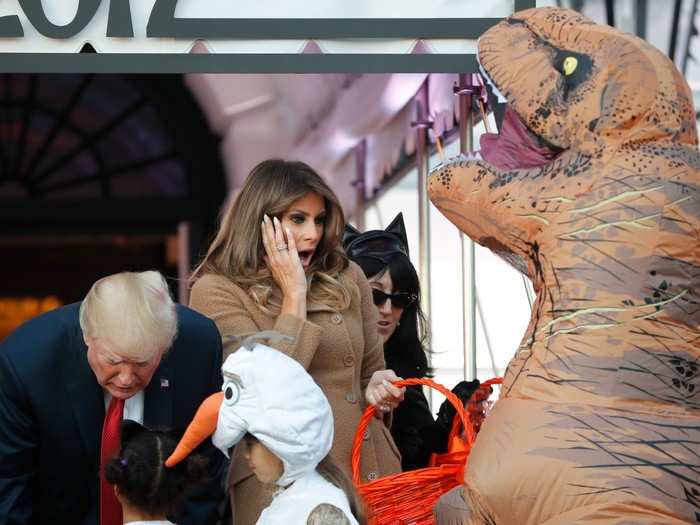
<point>133,312</point>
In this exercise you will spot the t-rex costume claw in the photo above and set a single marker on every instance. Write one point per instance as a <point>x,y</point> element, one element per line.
<point>599,416</point>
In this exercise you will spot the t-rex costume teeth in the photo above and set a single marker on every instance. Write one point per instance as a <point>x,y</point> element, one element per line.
<point>599,416</point>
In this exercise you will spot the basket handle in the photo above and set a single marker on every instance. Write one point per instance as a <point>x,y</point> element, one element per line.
<point>457,423</point>
<point>369,414</point>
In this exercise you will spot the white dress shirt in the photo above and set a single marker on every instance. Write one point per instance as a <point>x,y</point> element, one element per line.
<point>133,407</point>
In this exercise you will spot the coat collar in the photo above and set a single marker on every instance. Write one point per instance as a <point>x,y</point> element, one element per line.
<point>311,306</point>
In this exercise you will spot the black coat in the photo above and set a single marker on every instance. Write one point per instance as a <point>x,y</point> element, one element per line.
<point>415,431</point>
<point>52,410</point>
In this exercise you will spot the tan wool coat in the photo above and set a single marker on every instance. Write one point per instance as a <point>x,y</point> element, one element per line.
<point>340,350</point>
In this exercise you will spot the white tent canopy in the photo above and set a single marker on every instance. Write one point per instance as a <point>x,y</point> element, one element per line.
<point>320,119</point>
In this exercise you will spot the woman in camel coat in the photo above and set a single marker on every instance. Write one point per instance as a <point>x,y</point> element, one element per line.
<point>276,265</point>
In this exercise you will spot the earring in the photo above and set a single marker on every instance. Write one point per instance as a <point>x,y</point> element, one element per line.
<point>398,323</point>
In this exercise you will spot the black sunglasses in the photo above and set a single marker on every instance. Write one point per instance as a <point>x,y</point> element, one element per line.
<point>399,300</point>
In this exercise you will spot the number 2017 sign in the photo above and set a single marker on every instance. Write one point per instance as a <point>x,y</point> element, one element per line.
<point>119,20</point>
<point>46,35</point>
<point>161,22</point>
<point>307,19</point>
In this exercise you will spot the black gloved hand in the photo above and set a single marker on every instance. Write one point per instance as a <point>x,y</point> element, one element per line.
<point>463,390</point>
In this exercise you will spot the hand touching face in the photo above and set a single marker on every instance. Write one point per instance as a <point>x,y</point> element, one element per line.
<point>291,241</point>
<point>306,219</point>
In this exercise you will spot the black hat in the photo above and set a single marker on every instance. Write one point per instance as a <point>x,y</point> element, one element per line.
<point>377,244</point>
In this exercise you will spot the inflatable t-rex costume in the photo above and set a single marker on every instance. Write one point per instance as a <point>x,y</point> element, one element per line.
<point>599,416</point>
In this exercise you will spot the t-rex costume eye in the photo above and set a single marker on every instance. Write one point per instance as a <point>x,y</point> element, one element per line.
<point>599,416</point>
<point>569,65</point>
<point>576,68</point>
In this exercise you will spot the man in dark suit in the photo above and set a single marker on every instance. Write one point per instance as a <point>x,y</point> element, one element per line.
<point>127,343</point>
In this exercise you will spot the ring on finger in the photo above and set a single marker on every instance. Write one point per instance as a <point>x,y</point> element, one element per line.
<point>281,247</point>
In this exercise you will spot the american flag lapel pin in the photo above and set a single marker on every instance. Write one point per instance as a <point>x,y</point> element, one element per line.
<point>164,383</point>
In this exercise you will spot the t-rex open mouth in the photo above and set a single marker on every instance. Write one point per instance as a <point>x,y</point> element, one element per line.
<point>515,146</point>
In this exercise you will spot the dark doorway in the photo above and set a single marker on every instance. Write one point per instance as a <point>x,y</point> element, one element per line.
<point>96,174</point>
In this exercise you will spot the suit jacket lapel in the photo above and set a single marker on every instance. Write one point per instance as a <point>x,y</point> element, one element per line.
<point>158,397</point>
<point>85,395</point>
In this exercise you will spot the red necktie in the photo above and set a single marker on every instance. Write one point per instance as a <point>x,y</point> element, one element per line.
<point>110,508</point>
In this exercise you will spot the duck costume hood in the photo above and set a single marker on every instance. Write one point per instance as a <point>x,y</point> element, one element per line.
<point>271,396</point>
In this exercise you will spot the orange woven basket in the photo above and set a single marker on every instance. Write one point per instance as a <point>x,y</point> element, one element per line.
<point>458,446</point>
<point>409,497</point>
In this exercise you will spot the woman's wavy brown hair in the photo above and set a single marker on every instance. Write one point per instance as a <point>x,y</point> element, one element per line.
<point>237,250</point>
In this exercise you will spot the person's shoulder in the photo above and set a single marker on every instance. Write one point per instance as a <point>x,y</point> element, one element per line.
<point>48,324</point>
<point>354,272</point>
<point>326,503</point>
<point>209,283</point>
<point>191,320</point>
<point>352,278</point>
<point>185,314</point>
<point>43,338</point>
<point>196,335</point>
<point>213,280</point>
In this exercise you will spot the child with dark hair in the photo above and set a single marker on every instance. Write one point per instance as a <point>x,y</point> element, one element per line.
<point>147,491</point>
<point>383,257</point>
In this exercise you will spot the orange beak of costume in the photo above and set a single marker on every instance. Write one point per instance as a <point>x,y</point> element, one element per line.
<point>203,425</point>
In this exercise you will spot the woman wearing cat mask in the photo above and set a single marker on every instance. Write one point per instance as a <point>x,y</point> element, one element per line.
<point>383,256</point>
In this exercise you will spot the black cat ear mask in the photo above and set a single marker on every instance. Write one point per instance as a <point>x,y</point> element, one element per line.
<point>378,244</point>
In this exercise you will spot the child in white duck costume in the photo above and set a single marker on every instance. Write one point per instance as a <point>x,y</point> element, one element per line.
<point>270,399</point>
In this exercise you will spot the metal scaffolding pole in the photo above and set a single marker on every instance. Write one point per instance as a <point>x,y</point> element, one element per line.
<point>485,329</point>
<point>361,171</point>
<point>691,33</point>
<point>675,24</point>
<point>465,90</point>
<point>528,291</point>
<point>183,262</point>
<point>422,123</point>
<point>610,12</point>
<point>641,18</point>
